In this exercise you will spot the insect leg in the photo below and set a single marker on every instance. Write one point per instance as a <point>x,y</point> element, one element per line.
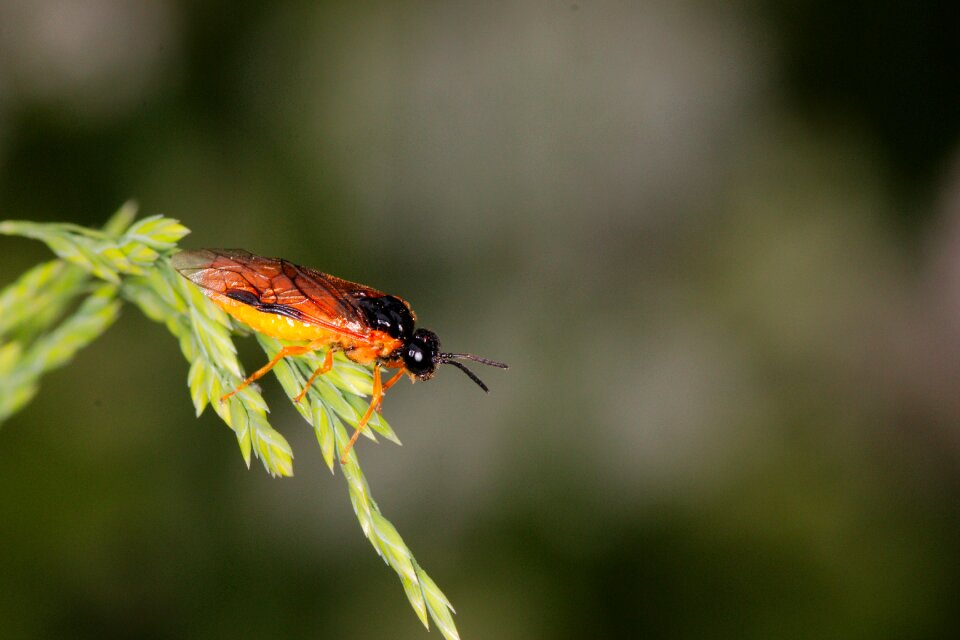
<point>375,399</point>
<point>322,369</point>
<point>392,381</point>
<point>290,350</point>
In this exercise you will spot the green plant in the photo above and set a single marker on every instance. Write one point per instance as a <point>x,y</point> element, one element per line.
<point>57,308</point>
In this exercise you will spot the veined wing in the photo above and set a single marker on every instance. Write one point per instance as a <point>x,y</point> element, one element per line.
<point>277,286</point>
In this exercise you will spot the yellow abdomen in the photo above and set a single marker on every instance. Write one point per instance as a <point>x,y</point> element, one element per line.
<point>360,348</point>
<point>275,325</point>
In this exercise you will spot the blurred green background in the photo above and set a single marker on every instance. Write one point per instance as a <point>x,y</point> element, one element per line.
<point>719,247</point>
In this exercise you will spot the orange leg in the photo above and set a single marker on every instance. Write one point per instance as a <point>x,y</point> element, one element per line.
<point>375,400</point>
<point>392,381</point>
<point>294,350</point>
<point>322,369</point>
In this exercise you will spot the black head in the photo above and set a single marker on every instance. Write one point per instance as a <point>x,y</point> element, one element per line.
<point>422,356</point>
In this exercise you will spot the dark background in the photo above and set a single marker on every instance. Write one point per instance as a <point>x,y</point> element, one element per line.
<point>718,247</point>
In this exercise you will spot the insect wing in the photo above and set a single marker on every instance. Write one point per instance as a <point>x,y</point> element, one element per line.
<point>274,286</point>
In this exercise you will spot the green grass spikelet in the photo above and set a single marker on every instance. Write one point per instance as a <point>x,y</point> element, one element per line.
<point>59,307</point>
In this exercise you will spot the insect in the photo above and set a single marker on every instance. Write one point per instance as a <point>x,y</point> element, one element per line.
<point>290,302</point>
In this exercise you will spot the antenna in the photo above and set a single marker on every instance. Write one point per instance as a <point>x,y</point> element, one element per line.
<point>450,358</point>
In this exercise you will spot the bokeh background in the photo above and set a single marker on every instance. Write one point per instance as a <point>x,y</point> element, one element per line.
<point>718,245</point>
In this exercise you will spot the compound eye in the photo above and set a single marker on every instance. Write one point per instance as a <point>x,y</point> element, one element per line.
<point>421,353</point>
<point>415,359</point>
